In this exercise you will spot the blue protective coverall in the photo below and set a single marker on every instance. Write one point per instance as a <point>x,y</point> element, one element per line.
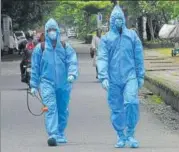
<point>121,62</point>
<point>50,70</point>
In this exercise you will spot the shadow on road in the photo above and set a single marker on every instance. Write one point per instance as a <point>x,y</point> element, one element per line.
<point>12,57</point>
<point>87,82</point>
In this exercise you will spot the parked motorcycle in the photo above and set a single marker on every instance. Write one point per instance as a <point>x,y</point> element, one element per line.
<point>26,63</point>
<point>27,73</point>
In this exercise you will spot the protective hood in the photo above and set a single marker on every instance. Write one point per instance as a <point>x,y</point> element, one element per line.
<point>116,14</point>
<point>54,64</point>
<point>51,23</point>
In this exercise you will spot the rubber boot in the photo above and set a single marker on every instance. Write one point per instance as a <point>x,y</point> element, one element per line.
<point>121,141</point>
<point>131,141</point>
<point>52,142</point>
<point>61,139</point>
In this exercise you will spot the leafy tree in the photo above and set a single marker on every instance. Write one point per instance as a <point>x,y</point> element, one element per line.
<point>156,12</point>
<point>81,14</point>
<point>25,13</point>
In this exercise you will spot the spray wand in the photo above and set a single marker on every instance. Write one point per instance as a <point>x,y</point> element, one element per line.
<point>43,109</point>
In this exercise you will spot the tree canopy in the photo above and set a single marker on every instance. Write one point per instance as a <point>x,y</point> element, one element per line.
<point>82,14</point>
<point>79,14</point>
<point>156,12</point>
<point>26,13</point>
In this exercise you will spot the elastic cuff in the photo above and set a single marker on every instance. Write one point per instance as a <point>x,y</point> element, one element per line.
<point>33,85</point>
<point>103,79</point>
<point>75,77</point>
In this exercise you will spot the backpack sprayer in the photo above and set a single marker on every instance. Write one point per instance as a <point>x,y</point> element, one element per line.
<point>43,109</point>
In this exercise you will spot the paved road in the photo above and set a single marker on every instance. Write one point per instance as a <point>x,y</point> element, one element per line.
<point>89,128</point>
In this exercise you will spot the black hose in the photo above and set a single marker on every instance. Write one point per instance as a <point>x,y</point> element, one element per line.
<point>29,106</point>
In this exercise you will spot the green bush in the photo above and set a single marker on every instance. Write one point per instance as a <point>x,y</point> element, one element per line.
<point>88,38</point>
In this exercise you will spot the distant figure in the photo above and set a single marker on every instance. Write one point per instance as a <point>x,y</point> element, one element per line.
<point>25,56</point>
<point>94,47</point>
<point>134,28</point>
<point>42,37</point>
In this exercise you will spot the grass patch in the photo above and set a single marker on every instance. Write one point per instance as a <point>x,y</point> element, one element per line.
<point>167,53</point>
<point>164,51</point>
<point>156,99</point>
<point>175,74</point>
<point>163,83</point>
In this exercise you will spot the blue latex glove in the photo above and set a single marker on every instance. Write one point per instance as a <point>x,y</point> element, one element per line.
<point>140,82</point>
<point>105,84</point>
<point>34,91</point>
<point>71,79</point>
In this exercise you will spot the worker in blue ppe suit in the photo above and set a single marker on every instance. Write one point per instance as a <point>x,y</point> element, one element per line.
<point>121,72</point>
<point>53,72</point>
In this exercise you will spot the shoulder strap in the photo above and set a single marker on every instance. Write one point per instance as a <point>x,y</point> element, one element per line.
<point>43,45</point>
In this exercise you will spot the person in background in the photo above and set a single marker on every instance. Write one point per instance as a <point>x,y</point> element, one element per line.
<point>39,38</point>
<point>25,56</point>
<point>121,72</point>
<point>42,37</point>
<point>54,69</point>
<point>134,28</point>
<point>94,47</point>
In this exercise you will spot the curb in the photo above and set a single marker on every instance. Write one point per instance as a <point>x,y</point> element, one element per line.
<point>168,94</point>
<point>158,45</point>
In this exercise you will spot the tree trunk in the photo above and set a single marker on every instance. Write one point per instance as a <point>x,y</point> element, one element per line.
<point>140,27</point>
<point>148,31</point>
<point>114,3</point>
<point>150,23</point>
<point>164,16</point>
<point>87,22</point>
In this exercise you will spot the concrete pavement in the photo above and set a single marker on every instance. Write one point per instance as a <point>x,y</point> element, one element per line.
<point>162,76</point>
<point>89,128</point>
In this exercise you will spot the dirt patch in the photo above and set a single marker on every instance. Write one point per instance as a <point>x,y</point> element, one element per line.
<point>164,112</point>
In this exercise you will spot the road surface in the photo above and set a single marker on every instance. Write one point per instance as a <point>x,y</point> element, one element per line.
<point>89,128</point>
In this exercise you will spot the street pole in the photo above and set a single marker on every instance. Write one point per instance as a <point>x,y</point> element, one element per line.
<point>99,20</point>
<point>114,2</point>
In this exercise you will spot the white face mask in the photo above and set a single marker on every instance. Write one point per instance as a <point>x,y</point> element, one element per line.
<point>52,35</point>
<point>118,23</point>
